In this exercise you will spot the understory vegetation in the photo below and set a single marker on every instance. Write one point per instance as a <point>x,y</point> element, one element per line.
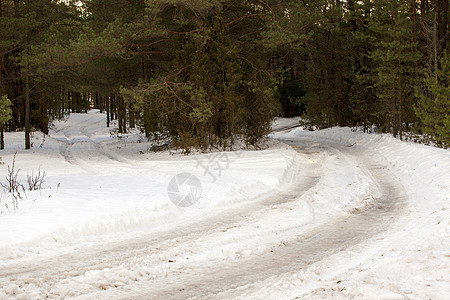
<point>13,188</point>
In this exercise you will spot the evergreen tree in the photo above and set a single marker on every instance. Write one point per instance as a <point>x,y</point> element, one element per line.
<point>314,51</point>
<point>214,86</point>
<point>434,105</point>
<point>396,59</point>
<point>24,24</point>
<point>204,72</point>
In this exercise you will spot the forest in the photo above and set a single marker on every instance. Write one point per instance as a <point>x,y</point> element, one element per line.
<point>205,74</point>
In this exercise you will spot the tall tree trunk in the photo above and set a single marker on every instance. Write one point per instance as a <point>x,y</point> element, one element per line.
<point>436,47</point>
<point>27,93</point>
<point>132,117</point>
<point>400,96</point>
<point>441,19</point>
<point>76,101</point>
<point>124,114</point>
<point>444,25</point>
<point>96,102</point>
<point>1,52</point>
<point>147,121</point>
<point>2,138</point>
<point>69,101</point>
<point>27,110</point>
<point>414,15</point>
<point>439,22</point>
<point>107,111</point>
<point>120,115</point>
<point>111,107</point>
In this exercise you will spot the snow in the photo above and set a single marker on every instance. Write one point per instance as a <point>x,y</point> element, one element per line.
<point>93,193</point>
<point>413,259</point>
<point>106,228</point>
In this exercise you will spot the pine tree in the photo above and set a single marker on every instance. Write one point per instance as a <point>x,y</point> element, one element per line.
<point>24,25</point>
<point>204,72</point>
<point>315,54</point>
<point>396,58</point>
<point>434,105</point>
<point>213,86</point>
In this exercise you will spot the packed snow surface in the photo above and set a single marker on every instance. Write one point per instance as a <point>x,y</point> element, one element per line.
<point>323,214</point>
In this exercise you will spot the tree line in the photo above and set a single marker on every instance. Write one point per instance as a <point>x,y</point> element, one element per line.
<point>208,73</point>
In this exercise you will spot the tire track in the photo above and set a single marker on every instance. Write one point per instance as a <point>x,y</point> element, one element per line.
<point>230,279</point>
<point>46,272</point>
<point>87,148</point>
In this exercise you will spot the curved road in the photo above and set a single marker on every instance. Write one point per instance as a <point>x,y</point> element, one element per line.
<point>141,255</point>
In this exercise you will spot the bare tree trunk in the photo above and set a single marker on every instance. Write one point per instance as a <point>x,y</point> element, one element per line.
<point>76,101</point>
<point>112,107</point>
<point>444,26</point>
<point>97,102</point>
<point>414,15</point>
<point>62,104</point>
<point>435,46</point>
<point>1,52</point>
<point>27,110</point>
<point>121,115</point>
<point>442,20</point>
<point>400,97</point>
<point>27,94</point>
<point>107,111</point>
<point>69,102</point>
<point>2,138</point>
<point>124,114</point>
<point>132,118</point>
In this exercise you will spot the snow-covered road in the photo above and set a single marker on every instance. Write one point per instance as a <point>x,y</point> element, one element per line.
<point>295,220</point>
<point>230,279</point>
